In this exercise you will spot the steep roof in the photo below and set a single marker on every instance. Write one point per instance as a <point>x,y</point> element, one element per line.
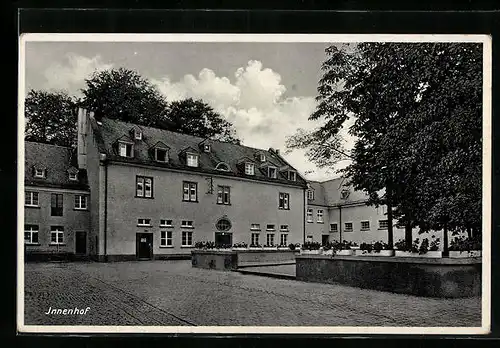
<point>56,161</point>
<point>108,131</point>
<point>329,193</point>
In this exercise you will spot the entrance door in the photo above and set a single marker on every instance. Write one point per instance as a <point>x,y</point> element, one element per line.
<point>224,238</point>
<point>325,239</point>
<point>144,246</point>
<point>81,242</point>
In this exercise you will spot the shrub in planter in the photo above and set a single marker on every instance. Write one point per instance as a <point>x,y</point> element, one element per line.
<point>311,246</point>
<point>419,249</point>
<point>240,245</point>
<point>291,246</point>
<point>376,249</point>
<point>465,247</point>
<point>255,246</point>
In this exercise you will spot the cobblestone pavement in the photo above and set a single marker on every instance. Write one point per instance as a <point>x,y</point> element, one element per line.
<point>174,293</point>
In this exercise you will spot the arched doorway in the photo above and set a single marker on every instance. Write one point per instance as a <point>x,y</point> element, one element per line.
<point>223,235</point>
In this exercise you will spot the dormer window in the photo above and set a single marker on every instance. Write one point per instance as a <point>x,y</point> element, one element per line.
<point>271,172</point>
<point>344,194</point>
<point>161,155</point>
<point>222,167</point>
<point>249,168</point>
<point>137,134</point>
<point>39,173</point>
<point>262,157</point>
<point>125,149</point>
<point>292,176</point>
<point>207,148</point>
<point>192,160</point>
<point>72,176</point>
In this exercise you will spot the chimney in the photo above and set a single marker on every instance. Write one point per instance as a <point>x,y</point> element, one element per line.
<point>83,124</point>
<point>277,151</point>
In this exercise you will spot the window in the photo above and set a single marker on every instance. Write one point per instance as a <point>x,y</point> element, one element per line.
<point>344,194</point>
<point>283,239</point>
<point>143,222</point>
<point>309,215</point>
<point>365,225</point>
<point>284,228</point>
<point>262,157</point>
<point>348,227</point>
<point>166,223</point>
<point>166,238</point>
<point>144,187</point>
<point>255,227</point>
<point>320,215</point>
<point>255,239</point>
<point>271,172</point>
<point>187,224</point>
<point>270,239</point>
<point>223,225</point>
<point>190,191</point>
<point>161,155</point>
<point>30,234</point>
<point>270,227</point>
<point>80,202</point>
<point>223,195</point>
<point>292,176</point>
<point>56,204</point>
<point>56,235</point>
<point>73,176</point>
<point>223,167</point>
<point>309,239</point>
<point>125,149</point>
<point>310,195</point>
<point>187,238</point>
<point>39,173</point>
<point>284,200</point>
<point>334,228</point>
<point>137,134</point>
<point>192,160</point>
<point>249,168</point>
<point>31,199</point>
<point>383,224</point>
<point>206,147</point>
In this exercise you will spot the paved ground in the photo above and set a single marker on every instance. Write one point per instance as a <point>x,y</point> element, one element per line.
<point>284,271</point>
<point>174,293</point>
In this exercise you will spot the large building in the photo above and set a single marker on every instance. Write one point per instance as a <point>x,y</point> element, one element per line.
<point>127,192</point>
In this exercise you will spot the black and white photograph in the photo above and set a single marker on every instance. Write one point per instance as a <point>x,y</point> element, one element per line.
<point>216,183</point>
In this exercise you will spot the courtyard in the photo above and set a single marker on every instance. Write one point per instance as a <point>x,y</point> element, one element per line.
<point>172,293</point>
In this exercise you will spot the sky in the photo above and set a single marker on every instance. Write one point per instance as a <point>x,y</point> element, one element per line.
<point>266,90</point>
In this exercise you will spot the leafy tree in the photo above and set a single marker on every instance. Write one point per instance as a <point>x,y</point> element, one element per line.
<point>417,111</point>
<point>50,118</point>
<point>197,118</point>
<point>124,95</point>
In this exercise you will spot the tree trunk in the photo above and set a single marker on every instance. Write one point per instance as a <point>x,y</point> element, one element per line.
<point>445,240</point>
<point>390,232</point>
<point>469,232</point>
<point>408,235</point>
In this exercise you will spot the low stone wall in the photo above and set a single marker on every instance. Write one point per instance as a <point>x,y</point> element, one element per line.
<point>416,276</point>
<point>232,259</point>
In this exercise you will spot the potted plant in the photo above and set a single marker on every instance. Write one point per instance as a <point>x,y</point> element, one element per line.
<point>419,249</point>
<point>310,248</point>
<point>345,248</point>
<point>256,246</point>
<point>375,249</point>
<point>434,251</point>
<point>328,248</point>
<point>240,246</point>
<point>462,247</point>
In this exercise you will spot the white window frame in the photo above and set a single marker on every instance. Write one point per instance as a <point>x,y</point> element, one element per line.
<point>254,238</point>
<point>142,182</point>
<point>187,224</point>
<point>137,134</point>
<point>144,222</point>
<point>320,216</point>
<point>164,223</point>
<point>348,229</point>
<point>192,159</point>
<point>255,227</point>
<point>185,238</point>
<point>156,154</point>
<point>292,175</point>
<point>364,228</point>
<point>310,195</point>
<point>262,157</point>
<point>223,167</point>
<point>122,149</point>
<point>381,223</point>
<point>268,235</point>
<point>223,195</point>
<point>309,215</point>
<point>81,202</point>
<point>73,176</point>
<point>273,228</point>
<point>32,230</point>
<point>284,201</point>
<point>207,148</point>
<point>32,195</point>
<point>39,173</point>
<point>189,191</point>
<point>166,239</point>
<point>59,234</point>
<point>284,228</point>
<point>275,171</point>
<point>336,229</point>
<point>285,235</point>
<point>249,168</point>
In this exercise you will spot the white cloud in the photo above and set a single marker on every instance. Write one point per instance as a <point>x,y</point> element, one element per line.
<point>70,75</point>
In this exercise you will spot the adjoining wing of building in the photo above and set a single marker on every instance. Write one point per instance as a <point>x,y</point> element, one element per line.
<point>129,192</point>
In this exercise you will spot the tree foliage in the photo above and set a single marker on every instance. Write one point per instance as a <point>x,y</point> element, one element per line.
<point>123,95</point>
<point>417,111</point>
<point>50,118</point>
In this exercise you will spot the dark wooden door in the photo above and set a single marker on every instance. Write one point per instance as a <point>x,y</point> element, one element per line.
<point>325,239</point>
<point>144,246</point>
<point>81,243</point>
<point>224,238</point>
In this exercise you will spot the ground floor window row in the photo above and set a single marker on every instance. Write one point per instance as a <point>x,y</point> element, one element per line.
<point>31,233</point>
<point>364,225</point>
<point>167,238</point>
<point>270,239</point>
